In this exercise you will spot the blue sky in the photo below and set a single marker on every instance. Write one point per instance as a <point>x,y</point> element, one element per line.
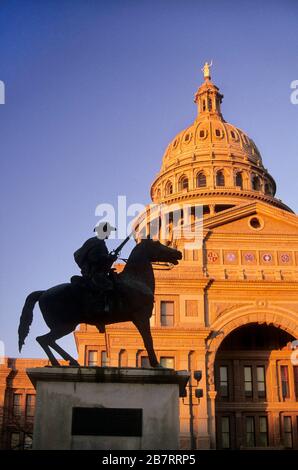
<point>95,90</point>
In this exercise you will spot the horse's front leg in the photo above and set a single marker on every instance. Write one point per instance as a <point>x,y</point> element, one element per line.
<point>143,325</point>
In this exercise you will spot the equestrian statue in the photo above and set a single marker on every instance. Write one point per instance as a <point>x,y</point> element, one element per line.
<point>100,296</point>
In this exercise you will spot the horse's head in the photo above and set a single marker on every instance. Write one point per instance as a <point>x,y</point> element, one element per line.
<point>156,251</point>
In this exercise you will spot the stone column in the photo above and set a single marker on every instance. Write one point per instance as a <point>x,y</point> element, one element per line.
<point>236,380</point>
<point>200,406</point>
<point>275,431</point>
<point>238,430</point>
<point>272,390</point>
<point>212,423</point>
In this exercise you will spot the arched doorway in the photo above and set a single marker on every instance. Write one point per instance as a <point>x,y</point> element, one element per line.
<point>257,389</point>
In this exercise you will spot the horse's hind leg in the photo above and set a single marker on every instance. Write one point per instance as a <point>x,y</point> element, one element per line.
<point>44,343</point>
<point>59,333</point>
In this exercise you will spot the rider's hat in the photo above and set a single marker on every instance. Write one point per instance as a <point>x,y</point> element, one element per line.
<point>103,229</point>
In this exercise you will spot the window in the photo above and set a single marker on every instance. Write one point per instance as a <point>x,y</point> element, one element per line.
<point>169,188</point>
<point>217,132</point>
<point>123,359</point>
<point>202,134</point>
<point>104,359</point>
<point>248,381</point>
<point>15,440</point>
<point>239,180</point>
<point>250,431</point>
<point>168,362</point>
<point>255,223</point>
<point>145,361</point>
<point>223,381</point>
<point>16,404</point>
<point>263,431</point>
<point>27,442</point>
<point>201,180</point>
<point>284,376</point>
<point>92,358</point>
<point>183,183</point>
<point>154,228</point>
<point>167,313</point>
<point>296,381</point>
<point>288,438</point>
<point>268,189</point>
<point>256,185</point>
<point>30,405</point>
<point>261,383</point>
<point>233,135</point>
<point>220,178</point>
<point>225,432</point>
<point>204,106</point>
<point>209,104</point>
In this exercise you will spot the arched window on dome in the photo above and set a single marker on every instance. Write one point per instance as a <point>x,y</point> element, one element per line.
<point>220,178</point>
<point>183,183</point>
<point>201,180</point>
<point>239,180</point>
<point>268,189</point>
<point>256,184</point>
<point>168,188</point>
<point>157,194</point>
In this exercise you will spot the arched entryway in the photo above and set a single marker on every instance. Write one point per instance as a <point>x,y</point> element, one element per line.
<point>257,389</point>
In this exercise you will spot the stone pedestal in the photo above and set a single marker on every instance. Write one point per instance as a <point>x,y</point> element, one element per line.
<point>107,408</point>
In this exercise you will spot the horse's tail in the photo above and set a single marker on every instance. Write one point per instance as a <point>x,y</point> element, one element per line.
<point>27,316</point>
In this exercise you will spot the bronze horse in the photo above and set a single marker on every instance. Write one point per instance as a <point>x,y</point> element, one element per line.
<point>65,306</point>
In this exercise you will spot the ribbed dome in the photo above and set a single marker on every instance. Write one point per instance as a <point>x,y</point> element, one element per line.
<point>212,161</point>
<point>210,137</point>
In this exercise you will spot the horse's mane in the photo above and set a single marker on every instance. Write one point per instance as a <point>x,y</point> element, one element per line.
<point>133,254</point>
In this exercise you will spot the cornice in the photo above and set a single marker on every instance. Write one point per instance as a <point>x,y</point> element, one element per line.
<point>227,192</point>
<point>238,212</point>
<point>196,331</point>
<point>255,284</point>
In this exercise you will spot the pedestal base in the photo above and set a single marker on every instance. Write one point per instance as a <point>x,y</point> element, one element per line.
<point>107,408</point>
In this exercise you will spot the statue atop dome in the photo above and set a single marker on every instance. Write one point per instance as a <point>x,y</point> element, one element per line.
<point>206,70</point>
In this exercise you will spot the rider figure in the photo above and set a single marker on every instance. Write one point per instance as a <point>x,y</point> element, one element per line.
<point>95,262</point>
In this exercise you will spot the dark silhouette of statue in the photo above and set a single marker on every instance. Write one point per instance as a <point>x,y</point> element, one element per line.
<point>131,297</point>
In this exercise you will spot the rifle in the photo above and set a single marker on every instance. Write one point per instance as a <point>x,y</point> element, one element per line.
<point>119,248</point>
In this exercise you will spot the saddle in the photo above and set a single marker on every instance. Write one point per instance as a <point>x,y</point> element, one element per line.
<point>109,293</point>
<point>99,292</point>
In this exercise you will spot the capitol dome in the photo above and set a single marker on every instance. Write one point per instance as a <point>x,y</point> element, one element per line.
<point>213,162</point>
